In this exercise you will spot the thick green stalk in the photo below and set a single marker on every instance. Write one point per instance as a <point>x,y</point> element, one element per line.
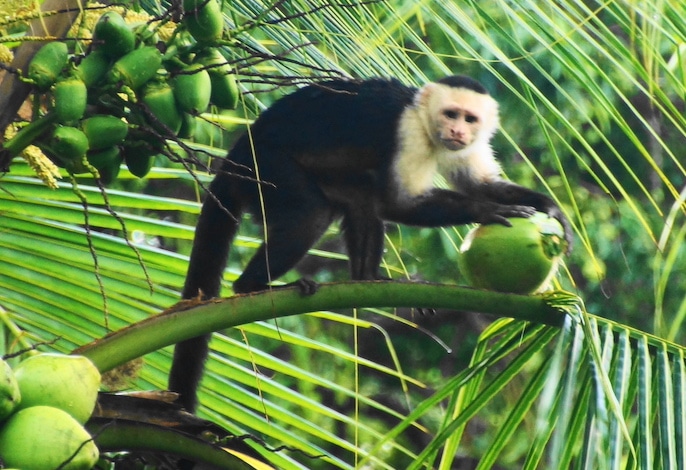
<point>122,435</point>
<point>189,318</point>
<point>28,134</point>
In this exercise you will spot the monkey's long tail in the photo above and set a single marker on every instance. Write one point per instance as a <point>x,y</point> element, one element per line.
<point>217,226</point>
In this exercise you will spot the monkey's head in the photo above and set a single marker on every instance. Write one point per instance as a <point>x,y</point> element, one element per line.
<point>457,112</point>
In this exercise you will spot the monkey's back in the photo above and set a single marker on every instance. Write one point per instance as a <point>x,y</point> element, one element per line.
<point>330,141</point>
<point>327,117</point>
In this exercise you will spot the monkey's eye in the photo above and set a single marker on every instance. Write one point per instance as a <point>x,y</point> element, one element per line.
<point>471,119</point>
<point>450,114</point>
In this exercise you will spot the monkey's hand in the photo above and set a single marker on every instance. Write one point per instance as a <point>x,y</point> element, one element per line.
<point>494,213</point>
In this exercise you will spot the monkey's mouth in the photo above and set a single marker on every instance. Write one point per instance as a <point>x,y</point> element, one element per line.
<point>454,144</point>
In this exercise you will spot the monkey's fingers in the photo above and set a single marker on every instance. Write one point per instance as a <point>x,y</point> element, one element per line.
<point>500,213</point>
<point>519,211</point>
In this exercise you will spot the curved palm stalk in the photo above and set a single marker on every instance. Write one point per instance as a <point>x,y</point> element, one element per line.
<point>189,319</point>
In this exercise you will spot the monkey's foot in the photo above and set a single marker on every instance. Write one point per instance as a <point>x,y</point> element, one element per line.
<point>306,286</point>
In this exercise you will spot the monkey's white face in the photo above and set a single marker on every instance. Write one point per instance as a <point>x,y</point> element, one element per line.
<point>456,127</point>
<point>457,117</point>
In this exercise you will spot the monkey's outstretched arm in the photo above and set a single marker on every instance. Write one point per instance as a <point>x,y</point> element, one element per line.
<point>441,207</point>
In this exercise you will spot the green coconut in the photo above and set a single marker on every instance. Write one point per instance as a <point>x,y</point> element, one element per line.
<point>519,259</point>
<point>9,390</point>
<point>46,438</point>
<point>69,383</point>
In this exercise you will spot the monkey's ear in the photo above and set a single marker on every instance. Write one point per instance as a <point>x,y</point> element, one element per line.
<point>423,96</point>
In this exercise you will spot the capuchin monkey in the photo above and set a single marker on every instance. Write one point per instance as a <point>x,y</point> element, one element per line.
<point>365,152</point>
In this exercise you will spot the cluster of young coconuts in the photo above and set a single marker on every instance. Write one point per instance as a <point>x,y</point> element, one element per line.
<point>44,403</point>
<point>129,93</point>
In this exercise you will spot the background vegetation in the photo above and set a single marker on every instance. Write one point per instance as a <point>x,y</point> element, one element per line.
<point>592,103</point>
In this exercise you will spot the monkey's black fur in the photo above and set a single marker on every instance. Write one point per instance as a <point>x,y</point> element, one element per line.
<point>325,152</point>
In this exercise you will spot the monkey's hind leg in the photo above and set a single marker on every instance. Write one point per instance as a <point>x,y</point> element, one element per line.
<point>364,237</point>
<point>187,370</point>
<point>289,236</point>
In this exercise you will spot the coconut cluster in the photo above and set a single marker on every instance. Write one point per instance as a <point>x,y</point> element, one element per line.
<point>44,403</point>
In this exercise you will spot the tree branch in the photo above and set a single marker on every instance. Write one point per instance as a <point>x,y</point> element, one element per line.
<point>191,318</point>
